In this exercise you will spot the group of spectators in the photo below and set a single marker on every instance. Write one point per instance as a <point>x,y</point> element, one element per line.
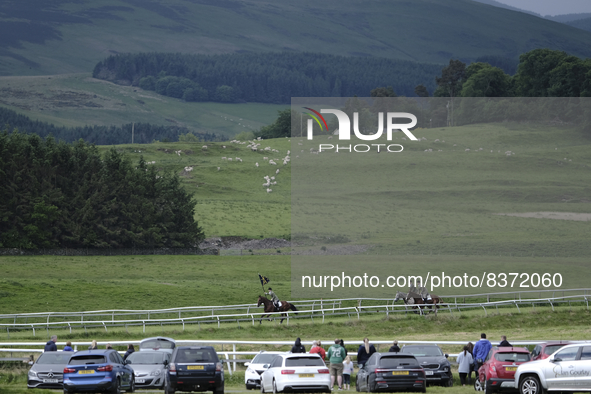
<point>51,346</point>
<point>473,355</point>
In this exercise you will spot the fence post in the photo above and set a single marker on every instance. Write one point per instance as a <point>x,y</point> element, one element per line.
<point>234,356</point>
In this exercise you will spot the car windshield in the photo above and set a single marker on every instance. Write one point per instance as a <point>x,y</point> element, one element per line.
<point>423,351</point>
<point>395,362</point>
<point>512,357</point>
<point>304,362</point>
<point>196,356</point>
<point>145,358</point>
<point>85,360</point>
<point>552,348</point>
<point>157,344</point>
<point>263,358</point>
<point>54,358</point>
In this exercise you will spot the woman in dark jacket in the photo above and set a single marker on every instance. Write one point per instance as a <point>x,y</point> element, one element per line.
<point>130,349</point>
<point>298,347</point>
<point>364,352</point>
<point>394,348</point>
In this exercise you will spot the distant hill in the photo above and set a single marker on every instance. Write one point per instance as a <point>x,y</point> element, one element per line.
<point>583,24</point>
<point>66,36</point>
<point>507,7</point>
<point>566,18</point>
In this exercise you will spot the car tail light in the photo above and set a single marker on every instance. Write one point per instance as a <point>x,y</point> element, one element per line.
<point>106,368</point>
<point>287,371</point>
<point>379,370</point>
<point>218,367</point>
<point>325,370</point>
<point>172,367</point>
<point>69,370</point>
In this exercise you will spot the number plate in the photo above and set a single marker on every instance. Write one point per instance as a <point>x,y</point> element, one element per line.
<point>50,380</point>
<point>510,368</point>
<point>140,380</point>
<point>306,375</point>
<point>86,371</point>
<point>428,372</point>
<point>399,372</point>
<point>195,367</point>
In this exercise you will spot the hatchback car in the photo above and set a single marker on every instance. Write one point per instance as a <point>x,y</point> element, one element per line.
<point>544,350</point>
<point>149,368</point>
<point>497,373</point>
<point>435,363</point>
<point>97,370</point>
<point>47,371</point>
<point>567,370</point>
<point>296,372</point>
<point>252,376</point>
<point>391,372</point>
<point>194,368</point>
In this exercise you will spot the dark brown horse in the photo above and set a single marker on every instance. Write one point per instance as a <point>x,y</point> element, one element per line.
<point>270,308</point>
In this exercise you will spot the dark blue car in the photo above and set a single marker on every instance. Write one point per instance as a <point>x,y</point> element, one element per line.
<point>98,370</point>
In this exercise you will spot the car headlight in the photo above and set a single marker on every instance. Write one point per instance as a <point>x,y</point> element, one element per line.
<point>445,369</point>
<point>249,370</point>
<point>155,373</point>
<point>32,374</point>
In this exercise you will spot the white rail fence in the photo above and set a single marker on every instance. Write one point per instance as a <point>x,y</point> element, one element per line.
<point>251,314</point>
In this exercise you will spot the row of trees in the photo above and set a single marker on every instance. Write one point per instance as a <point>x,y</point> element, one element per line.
<point>262,77</point>
<point>68,195</point>
<point>144,133</point>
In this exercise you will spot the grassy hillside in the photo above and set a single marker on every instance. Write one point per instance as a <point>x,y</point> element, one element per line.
<point>66,36</point>
<point>79,100</point>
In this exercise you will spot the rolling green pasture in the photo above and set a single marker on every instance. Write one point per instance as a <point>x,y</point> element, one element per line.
<point>78,100</point>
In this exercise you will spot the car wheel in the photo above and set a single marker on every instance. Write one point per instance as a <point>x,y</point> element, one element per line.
<point>424,389</point>
<point>262,387</point>
<point>275,391</point>
<point>219,390</point>
<point>367,390</point>
<point>357,385</point>
<point>117,387</point>
<point>487,388</point>
<point>167,388</point>
<point>450,382</point>
<point>530,385</point>
<point>477,385</point>
<point>131,385</point>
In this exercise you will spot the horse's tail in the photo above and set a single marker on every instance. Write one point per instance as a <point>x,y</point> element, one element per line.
<point>293,308</point>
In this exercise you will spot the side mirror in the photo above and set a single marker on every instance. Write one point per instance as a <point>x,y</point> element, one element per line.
<point>165,362</point>
<point>555,359</point>
<point>446,355</point>
<point>246,364</point>
<point>266,366</point>
<point>126,362</point>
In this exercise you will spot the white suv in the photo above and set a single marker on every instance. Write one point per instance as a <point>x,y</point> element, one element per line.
<point>296,372</point>
<point>568,369</point>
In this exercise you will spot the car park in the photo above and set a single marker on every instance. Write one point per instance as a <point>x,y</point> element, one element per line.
<point>497,373</point>
<point>566,370</point>
<point>47,371</point>
<point>544,350</point>
<point>98,371</point>
<point>158,343</point>
<point>149,368</point>
<point>252,376</point>
<point>391,372</point>
<point>194,368</point>
<point>435,363</point>
<point>302,372</point>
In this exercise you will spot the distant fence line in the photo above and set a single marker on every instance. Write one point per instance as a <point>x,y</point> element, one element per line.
<point>108,251</point>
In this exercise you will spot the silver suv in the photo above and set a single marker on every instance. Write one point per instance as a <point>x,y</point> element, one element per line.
<point>568,369</point>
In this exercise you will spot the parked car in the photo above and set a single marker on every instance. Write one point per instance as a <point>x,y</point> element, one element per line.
<point>568,369</point>
<point>47,371</point>
<point>435,363</point>
<point>149,368</point>
<point>158,343</point>
<point>98,370</point>
<point>544,350</point>
<point>296,372</point>
<point>252,376</point>
<point>391,372</point>
<point>497,373</point>
<point>194,368</point>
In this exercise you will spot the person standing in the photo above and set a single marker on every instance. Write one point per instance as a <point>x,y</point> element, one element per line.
<point>298,347</point>
<point>130,349</point>
<point>93,345</point>
<point>336,355</point>
<point>394,348</point>
<point>481,349</point>
<point>317,348</point>
<point>364,352</point>
<point>465,361</point>
<point>68,347</point>
<point>347,372</point>
<point>50,346</point>
<point>471,350</point>
<point>504,341</point>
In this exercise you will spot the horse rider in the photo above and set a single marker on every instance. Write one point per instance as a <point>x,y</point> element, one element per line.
<point>274,298</point>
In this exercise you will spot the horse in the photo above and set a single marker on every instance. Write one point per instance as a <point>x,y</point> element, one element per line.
<point>269,308</point>
<point>411,299</point>
<point>435,301</point>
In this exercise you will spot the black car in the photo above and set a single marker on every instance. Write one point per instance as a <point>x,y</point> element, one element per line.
<point>435,363</point>
<point>194,368</point>
<point>391,372</point>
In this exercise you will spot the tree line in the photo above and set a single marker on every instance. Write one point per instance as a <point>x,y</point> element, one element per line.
<point>262,77</point>
<point>63,195</point>
<point>144,133</point>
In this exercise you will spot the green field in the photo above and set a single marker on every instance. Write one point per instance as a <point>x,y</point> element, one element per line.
<point>78,99</point>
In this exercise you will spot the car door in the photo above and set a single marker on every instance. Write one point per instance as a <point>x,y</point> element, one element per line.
<point>362,377</point>
<point>582,369</point>
<point>121,370</point>
<point>536,352</point>
<point>269,374</point>
<point>557,371</point>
